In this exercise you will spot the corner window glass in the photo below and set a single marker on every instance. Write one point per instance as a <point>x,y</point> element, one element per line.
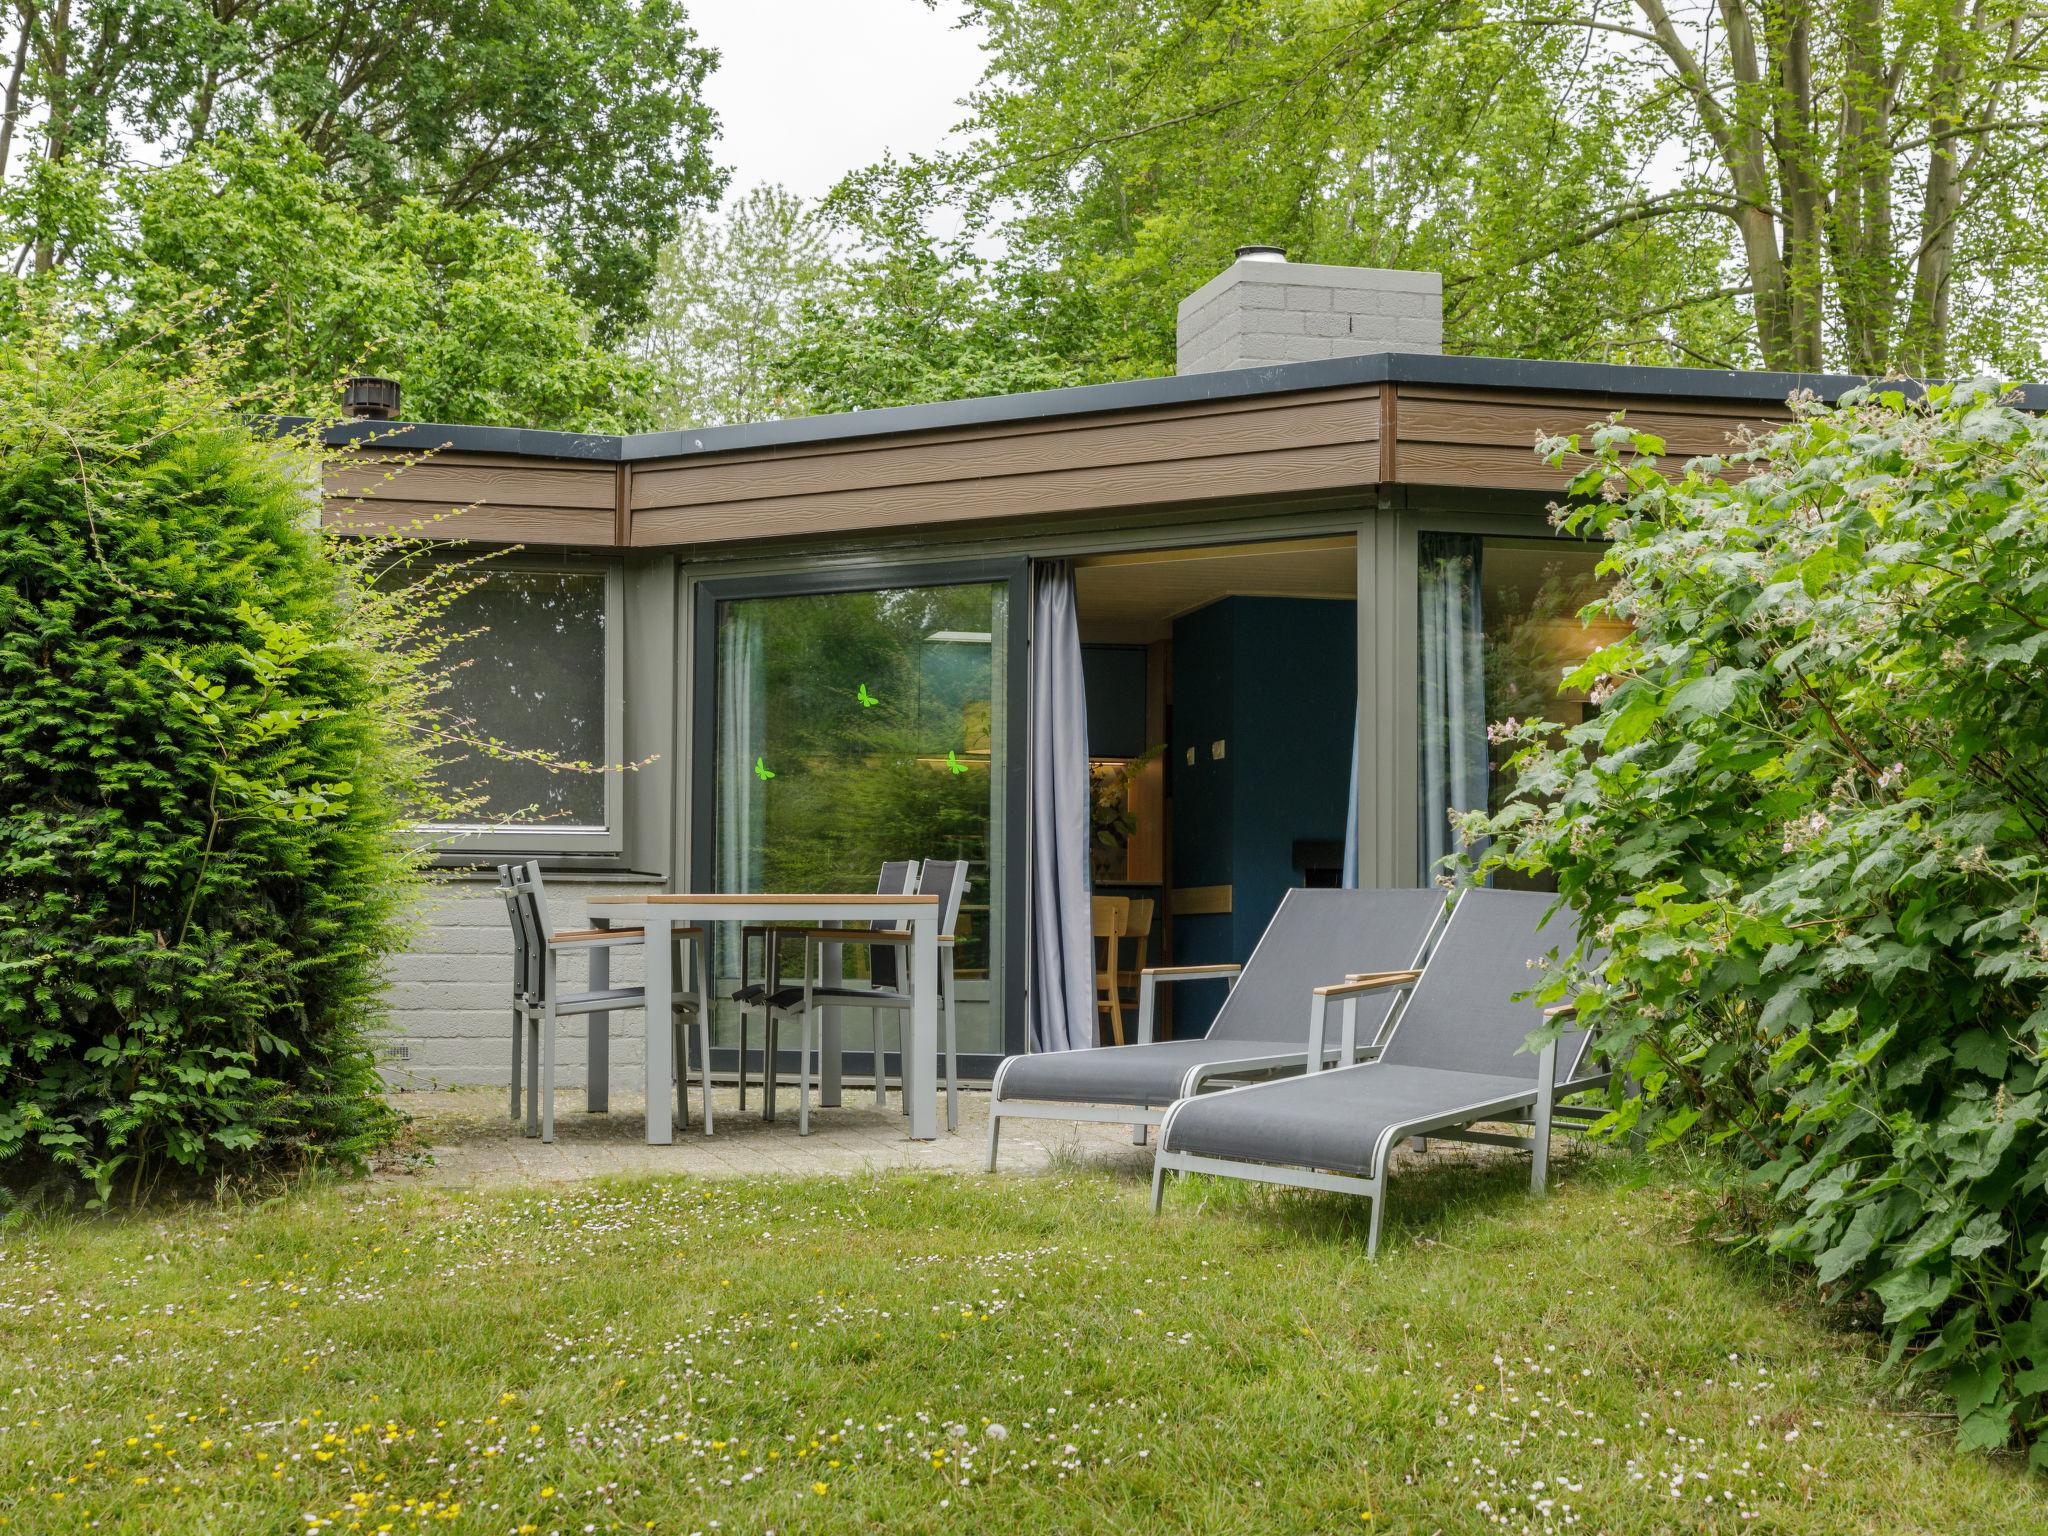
<point>1499,628</point>
<point>527,672</point>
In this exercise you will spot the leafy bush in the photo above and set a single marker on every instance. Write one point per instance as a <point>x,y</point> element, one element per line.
<point>1810,821</point>
<point>204,760</point>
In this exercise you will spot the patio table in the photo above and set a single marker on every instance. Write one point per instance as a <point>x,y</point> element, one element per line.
<point>660,915</point>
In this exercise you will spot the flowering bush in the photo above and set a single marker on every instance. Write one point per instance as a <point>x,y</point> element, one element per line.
<point>1809,822</point>
<point>206,765</point>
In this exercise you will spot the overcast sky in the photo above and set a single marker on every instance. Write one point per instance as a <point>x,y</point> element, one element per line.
<point>808,90</point>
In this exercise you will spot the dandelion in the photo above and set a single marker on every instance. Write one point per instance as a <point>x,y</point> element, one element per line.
<point>996,1432</point>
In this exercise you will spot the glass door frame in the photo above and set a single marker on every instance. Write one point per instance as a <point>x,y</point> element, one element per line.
<point>1014,573</point>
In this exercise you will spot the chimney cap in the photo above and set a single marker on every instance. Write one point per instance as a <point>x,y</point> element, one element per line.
<point>368,398</point>
<point>1261,253</point>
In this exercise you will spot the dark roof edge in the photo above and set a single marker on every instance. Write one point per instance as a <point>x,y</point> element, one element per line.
<point>1611,379</point>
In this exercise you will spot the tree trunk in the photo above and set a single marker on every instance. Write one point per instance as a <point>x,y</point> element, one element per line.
<point>26,22</point>
<point>1924,348</point>
<point>1788,41</point>
<point>1860,229</point>
<point>1739,140</point>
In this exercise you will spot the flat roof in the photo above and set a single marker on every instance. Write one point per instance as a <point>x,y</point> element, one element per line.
<point>1611,379</point>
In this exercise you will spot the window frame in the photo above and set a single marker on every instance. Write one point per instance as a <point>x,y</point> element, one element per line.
<point>537,840</point>
<point>707,593</point>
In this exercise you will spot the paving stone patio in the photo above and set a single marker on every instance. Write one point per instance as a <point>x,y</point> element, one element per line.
<point>473,1143</point>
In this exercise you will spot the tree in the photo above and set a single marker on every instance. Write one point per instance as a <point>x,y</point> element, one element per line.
<point>727,294</point>
<point>916,316</point>
<point>248,241</point>
<point>1806,840</point>
<point>582,123</point>
<point>1768,182</point>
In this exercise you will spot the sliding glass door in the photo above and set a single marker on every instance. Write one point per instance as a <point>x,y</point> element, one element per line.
<point>842,726</point>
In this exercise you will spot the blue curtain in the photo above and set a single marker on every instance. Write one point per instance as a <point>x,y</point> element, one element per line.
<point>1062,970</point>
<point>1452,696</point>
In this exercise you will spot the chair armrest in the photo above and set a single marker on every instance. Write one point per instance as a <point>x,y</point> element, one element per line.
<point>1190,972</point>
<point>1148,987</point>
<point>1368,981</point>
<point>893,936</point>
<point>1347,993</point>
<point>592,935</point>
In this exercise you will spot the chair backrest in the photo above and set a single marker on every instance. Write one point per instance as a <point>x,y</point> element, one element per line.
<point>947,880</point>
<point>1139,930</point>
<point>898,878</point>
<point>1463,1015</point>
<point>1316,939</point>
<point>1109,919</point>
<point>530,924</point>
<point>522,959</point>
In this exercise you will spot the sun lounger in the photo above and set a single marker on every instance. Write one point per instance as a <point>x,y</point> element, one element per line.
<point>1456,1059</point>
<point>1316,937</point>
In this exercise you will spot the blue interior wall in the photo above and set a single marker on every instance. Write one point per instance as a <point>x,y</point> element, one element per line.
<point>1276,680</point>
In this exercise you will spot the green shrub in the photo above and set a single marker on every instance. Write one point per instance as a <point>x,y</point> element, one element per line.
<point>203,765</point>
<point>1810,820</point>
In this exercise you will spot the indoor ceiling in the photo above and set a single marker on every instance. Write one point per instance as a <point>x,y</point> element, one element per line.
<point>1127,599</point>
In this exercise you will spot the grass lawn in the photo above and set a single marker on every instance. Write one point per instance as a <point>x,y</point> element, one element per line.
<point>924,1353</point>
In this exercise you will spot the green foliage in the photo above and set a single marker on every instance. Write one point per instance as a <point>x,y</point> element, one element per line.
<point>1810,823</point>
<point>251,238</point>
<point>583,124</point>
<point>917,317</point>
<point>1727,184</point>
<point>206,764</point>
<point>727,293</point>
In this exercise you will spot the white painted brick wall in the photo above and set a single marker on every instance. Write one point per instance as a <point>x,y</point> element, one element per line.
<point>449,993</point>
<point>1254,314</point>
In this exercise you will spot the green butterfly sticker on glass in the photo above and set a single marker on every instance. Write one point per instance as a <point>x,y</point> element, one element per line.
<point>762,771</point>
<point>867,700</point>
<point>953,761</point>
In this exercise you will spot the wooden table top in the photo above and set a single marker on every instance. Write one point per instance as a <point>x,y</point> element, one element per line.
<point>775,898</point>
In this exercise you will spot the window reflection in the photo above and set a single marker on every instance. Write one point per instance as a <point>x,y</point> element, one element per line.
<point>527,670</point>
<point>854,728</point>
<point>1499,629</point>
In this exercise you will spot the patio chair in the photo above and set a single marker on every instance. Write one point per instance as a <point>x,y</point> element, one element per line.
<point>898,878</point>
<point>1456,1059</point>
<point>539,999</point>
<point>1316,936</point>
<point>943,878</point>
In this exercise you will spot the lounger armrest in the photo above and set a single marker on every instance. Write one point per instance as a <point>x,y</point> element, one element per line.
<point>1148,988</point>
<point>1347,993</point>
<point>1362,982</point>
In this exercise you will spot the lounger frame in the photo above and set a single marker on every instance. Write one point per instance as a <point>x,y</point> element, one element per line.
<point>1537,1107</point>
<point>1254,1065</point>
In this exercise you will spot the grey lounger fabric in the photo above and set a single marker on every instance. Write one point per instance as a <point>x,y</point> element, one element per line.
<point>1456,1057</point>
<point>1316,937</point>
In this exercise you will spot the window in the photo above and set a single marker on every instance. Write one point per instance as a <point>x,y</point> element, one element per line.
<point>535,671</point>
<point>1499,628</point>
<point>856,727</point>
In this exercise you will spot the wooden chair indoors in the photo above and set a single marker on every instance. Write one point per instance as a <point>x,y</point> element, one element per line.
<point>1138,933</point>
<point>1112,920</point>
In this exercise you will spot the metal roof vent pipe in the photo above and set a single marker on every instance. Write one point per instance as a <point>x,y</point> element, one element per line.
<point>1261,253</point>
<point>369,399</point>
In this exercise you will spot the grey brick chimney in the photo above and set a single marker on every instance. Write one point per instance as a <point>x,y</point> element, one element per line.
<point>1264,309</point>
